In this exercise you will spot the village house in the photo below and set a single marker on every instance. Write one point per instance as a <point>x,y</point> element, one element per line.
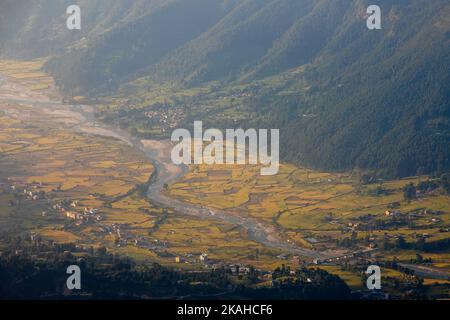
<point>389,213</point>
<point>244,270</point>
<point>267,276</point>
<point>203,257</point>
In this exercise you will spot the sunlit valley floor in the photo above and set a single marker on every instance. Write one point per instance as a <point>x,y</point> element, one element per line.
<point>88,193</point>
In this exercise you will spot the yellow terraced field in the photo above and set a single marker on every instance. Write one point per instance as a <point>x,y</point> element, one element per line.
<point>100,173</point>
<point>298,199</point>
<point>103,173</point>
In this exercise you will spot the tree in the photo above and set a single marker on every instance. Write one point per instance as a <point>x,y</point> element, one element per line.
<point>101,251</point>
<point>419,258</point>
<point>400,243</point>
<point>409,192</point>
<point>445,182</point>
<point>420,244</point>
<point>252,275</point>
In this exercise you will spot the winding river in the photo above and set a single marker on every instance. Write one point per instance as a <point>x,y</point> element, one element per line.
<point>81,118</point>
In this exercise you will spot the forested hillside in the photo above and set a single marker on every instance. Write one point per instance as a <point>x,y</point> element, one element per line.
<point>343,96</point>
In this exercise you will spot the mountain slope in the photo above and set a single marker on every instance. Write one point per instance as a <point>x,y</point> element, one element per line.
<point>343,96</point>
<point>389,95</point>
<point>38,28</point>
<point>129,50</point>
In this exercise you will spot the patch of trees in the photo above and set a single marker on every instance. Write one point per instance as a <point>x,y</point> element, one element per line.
<point>411,190</point>
<point>112,277</point>
<point>421,244</point>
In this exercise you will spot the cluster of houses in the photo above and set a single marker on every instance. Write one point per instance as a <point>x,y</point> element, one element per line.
<point>424,212</point>
<point>345,257</point>
<point>415,214</point>
<point>347,227</point>
<point>352,226</point>
<point>31,192</point>
<point>212,264</point>
<point>33,195</point>
<point>73,212</point>
<point>237,269</point>
<point>34,192</point>
<point>362,222</point>
<point>414,235</point>
<point>193,257</point>
<point>389,213</point>
<point>167,117</point>
<point>153,245</point>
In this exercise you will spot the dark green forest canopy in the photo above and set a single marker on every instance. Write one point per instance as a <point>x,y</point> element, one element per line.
<point>343,96</point>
